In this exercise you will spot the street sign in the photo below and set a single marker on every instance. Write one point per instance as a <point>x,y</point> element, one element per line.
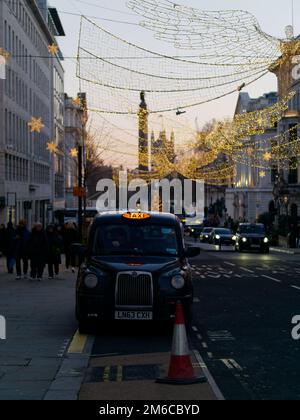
<point>79,192</point>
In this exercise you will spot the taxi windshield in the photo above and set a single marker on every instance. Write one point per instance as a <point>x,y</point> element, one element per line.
<point>129,239</point>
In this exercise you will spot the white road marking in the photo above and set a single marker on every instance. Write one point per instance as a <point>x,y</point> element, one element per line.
<point>204,345</point>
<point>247,270</point>
<point>296,287</point>
<point>196,300</point>
<point>228,263</point>
<point>232,364</point>
<point>272,278</point>
<point>210,355</point>
<point>209,377</point>
<point>195,329</point>
<point>199,336</point>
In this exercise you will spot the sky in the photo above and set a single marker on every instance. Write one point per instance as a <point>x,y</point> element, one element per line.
<point>273,16</point>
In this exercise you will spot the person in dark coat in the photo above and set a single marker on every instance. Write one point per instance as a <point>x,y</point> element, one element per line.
<point>38,251</point>
<point>55,244</point>
<point>9,247</point>
<point>70,237</point>
<point>2,239</point>
<point>21,249</point>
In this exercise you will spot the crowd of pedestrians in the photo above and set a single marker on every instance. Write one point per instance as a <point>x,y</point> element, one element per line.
<point>28,253</point>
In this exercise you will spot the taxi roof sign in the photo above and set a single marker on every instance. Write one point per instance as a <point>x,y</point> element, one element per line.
<point>136,216</point>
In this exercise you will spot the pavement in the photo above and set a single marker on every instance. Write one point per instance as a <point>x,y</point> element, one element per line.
<point>241,338</point>
<point>40,325</point>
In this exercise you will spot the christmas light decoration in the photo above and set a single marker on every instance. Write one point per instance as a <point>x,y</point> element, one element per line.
<point>53,49</point>
<point>6,55</point>
<point>36,125</point>
<point>52,148</point>
<point>77,101</point>
<point>114,71</point>
<point>74,153</point>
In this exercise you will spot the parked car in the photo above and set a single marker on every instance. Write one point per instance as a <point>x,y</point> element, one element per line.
<point>205,235</point>
<point>222,237</point>
<point>252,237</point>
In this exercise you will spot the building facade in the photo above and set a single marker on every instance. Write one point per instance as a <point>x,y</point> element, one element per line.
<point>75,131</point>
<point>26,167</point>
<point>251,192</point>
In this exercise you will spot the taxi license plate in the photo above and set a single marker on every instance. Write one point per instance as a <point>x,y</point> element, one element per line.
<point>134,315</point>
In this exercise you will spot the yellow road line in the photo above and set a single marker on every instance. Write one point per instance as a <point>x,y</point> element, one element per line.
<point>78,343</point>
<point>106,374</point>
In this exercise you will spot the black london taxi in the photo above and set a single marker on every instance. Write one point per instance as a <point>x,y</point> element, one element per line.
<point>135,268</point>
<point>252,237</point>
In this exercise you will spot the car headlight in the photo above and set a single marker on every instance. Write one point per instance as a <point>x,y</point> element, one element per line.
<point>206,236</point>
<point>193,230</point>
<point>218,237</point>
<point>266,240</point>
<point>234,238</point>
<point>178,282</point>
<point>244,240</point>
<point>91,281</point>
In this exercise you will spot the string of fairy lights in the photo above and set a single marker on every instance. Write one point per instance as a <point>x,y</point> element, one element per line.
<point>230,52</point>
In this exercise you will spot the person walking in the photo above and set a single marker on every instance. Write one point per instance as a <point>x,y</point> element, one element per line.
<point>38,251</point>
<point>55,246</point>
<point>70,237</point>
<point>2,239</point>
<point>21,249</point>
<point>9,247</point>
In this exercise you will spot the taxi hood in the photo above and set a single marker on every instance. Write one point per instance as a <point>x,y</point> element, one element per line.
<point>136,263</point>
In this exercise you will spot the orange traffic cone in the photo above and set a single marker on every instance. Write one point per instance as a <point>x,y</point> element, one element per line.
<point>181,371</point>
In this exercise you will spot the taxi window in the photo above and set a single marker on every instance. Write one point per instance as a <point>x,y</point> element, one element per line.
<point>130,239</point>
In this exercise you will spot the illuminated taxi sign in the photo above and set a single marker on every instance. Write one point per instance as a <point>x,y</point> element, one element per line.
<point>136,216</point>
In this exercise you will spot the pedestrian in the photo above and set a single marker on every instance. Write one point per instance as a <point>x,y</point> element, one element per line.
<point>21,249</point>
<point>9,247</point>
<point>2,239</point>
<point>55,246</point>
<point>70,237</point>
<point>38,251</point>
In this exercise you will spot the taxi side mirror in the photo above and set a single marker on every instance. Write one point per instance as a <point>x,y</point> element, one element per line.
<point>79,252</point>
<point>192,252</point>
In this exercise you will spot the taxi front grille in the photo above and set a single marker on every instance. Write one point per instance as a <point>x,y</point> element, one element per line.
<point>134,290</point>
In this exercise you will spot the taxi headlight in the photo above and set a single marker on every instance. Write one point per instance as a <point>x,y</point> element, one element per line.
<point>218,237</point>
<point>234,238</point>
<point>178,282</point>
<point>91,281</point>
<point>244,240</point>
<point>266,240</point>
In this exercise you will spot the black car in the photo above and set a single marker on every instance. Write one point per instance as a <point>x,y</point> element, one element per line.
<point>136,269</point>
<point>221,237</point>
<point>252,237</point>
<point>194,231</point>
<point>205,234</point>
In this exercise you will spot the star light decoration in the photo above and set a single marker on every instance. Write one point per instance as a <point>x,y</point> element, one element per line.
<point>4,54</point>
<point>36,125</point>
<point>52,147</point>
<point>74,153</point>
<point>76,101</point>
<point>262,174</point>
<point>267,157</point>
<point>53,49</point>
